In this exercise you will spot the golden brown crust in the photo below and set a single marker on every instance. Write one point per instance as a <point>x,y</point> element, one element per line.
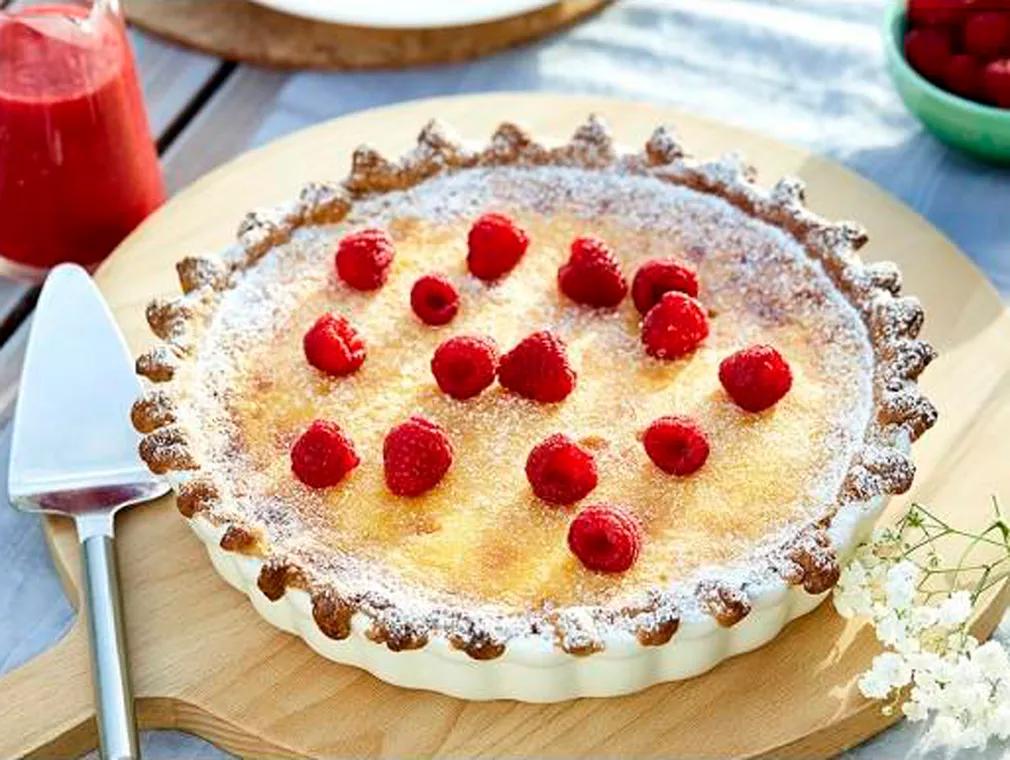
<point>658,634</point>
<point>727,604</point>
<point>332,615</point>
<point>807,559</point>
<point>157,365</point>
<point>195,496</point>
<point>238,538</point>
<point>276,576</point>
<point>195,273</point>
<point>397,640</point>
<point>152,411</point>
<point>168,318</point>
<point>479,647</point>
<point>167,449</point>
<point>817,560</point>
<point>324,203</point>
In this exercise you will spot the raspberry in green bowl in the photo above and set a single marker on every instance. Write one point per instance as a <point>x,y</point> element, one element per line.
<point>976,128</point>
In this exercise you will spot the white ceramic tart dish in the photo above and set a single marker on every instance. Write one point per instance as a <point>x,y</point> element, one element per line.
<point>471,589</point>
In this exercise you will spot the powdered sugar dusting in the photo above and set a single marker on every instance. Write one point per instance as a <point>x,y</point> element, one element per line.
<point>760,286</point>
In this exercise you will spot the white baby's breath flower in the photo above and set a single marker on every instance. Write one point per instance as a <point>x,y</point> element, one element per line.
<point>891,629</point>
<point>851,596</point>
<point>853,575</point>
<point>914,710</point>
<point>873,686</point>
<point>992,659</point>
<point>955,609</point>
<point>899,586</point>
<point>852,599</point>
<point>947,731</point>
<point>922,617</point>
<point>962,684</point>
<point>973,737</point>
<point>925,664</point>
<point>889,672</point>
<point>1000,721</point>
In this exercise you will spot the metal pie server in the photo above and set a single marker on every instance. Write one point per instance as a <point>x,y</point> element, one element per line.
<point>74,453</point>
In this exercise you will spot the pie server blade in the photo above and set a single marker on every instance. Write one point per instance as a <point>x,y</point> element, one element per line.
<point>74,452</point>
<point>73,449</point>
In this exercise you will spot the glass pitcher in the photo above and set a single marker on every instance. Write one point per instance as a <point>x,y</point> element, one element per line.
<point>78,168</point>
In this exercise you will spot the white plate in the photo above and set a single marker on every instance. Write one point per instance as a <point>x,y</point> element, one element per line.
<point>405,14</point>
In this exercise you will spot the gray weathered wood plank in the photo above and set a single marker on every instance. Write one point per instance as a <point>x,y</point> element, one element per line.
<point>226,126</point>
<point>171,77</point>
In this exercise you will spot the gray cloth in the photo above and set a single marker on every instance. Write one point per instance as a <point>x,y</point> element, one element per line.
<point>805,71</point>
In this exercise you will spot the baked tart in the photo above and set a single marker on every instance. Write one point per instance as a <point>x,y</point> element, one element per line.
<point>532,422</point>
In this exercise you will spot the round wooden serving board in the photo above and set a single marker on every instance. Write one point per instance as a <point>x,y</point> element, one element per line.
<point>204,661</point>
<point>240,30</point>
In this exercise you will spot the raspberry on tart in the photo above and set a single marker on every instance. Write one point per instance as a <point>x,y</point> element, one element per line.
<point>560,471</point>
<point>434,299</point>
<point>322,456</point>
<point>333,346</point>
<point>756,378</point>
<point>538,369</point>
<point>658,276</point>
<point>495,245</point>
<point>416,455</point>
<point>592,276</point>
<point>676,444</point>
<point>363,259</point>
<point>674,327</point>
<point>465,365</point>
<point>605,538</point>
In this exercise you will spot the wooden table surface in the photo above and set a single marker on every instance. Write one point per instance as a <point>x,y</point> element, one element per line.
<point>806,71</point>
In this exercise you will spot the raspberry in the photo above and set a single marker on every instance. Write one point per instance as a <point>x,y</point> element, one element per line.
<point>677,445</point>
<point>334,346</point>
<point>936,12</point>
<point>986,34</point>
<point>996,81</point>
<point>928,50</point>
<point>560,471</point>
<point>416,455</point>
<point>537,369</point>
<point>495,245</point>
<point>592,275</point>
<point>605,538</point>
<point>674,327</point>
<point>659,276</point>
<point>756,377</point>
<point>434,299</point>
<point>964,76</point>
<point>363,259</point>
<point>323,455</point>
<point>465,366</point>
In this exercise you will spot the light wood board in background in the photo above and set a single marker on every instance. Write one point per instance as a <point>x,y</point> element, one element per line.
<point>240,30</point>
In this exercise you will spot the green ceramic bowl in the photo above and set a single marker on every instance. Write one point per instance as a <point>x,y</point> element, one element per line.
<point>981,130</point>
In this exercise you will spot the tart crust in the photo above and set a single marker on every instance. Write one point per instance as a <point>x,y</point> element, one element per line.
<point>808,559</point>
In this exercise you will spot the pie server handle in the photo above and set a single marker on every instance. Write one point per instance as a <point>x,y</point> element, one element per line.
<point>117,727</point>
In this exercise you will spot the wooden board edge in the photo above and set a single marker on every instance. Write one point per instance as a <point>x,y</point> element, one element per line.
<point>176,714</point>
